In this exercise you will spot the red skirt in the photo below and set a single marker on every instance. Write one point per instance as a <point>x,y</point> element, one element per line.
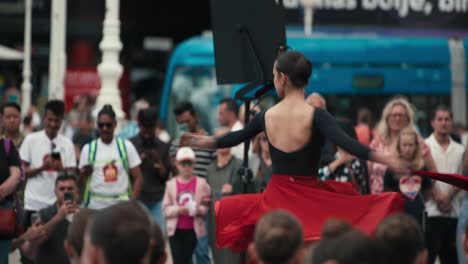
<point>311,201</point>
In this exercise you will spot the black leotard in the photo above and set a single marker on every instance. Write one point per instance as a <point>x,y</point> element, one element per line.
<point>305,161</point>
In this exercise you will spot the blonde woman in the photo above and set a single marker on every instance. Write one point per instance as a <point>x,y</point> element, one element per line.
<point>414,188</point>
<point>396,116</point>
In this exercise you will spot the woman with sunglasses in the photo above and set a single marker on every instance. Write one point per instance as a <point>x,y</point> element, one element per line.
<point>184,208</point>
<point>106,165</point>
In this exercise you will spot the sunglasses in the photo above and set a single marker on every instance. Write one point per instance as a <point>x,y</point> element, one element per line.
<point>186,163</point>
<point>102,125</point>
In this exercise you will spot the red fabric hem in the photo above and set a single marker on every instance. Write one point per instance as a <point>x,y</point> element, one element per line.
<point>450,178</point>
<point>311,201</point>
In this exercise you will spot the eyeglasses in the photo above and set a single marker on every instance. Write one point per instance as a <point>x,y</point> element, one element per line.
<point>186,163</point>
<point>102,125</point>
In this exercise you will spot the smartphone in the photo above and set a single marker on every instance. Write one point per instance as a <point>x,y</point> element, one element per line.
<point>56,155</point>
<point>68,196</point>
<point>35,217</point>
<point>183,127</point>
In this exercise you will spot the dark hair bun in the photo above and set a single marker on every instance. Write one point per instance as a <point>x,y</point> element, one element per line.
<point>107,107</point>
<point>296,66</point>
<point>107,110</point>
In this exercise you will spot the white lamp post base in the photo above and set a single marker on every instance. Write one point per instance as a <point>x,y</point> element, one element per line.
<point>110,70</point>
<point>26,86</point>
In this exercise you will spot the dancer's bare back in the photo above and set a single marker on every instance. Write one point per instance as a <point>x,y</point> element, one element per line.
<point>289,125</point>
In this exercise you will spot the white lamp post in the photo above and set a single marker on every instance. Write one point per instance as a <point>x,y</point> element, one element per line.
<point>308,15</point>
<point>26,84</point>
<point>110,68</point>
<point>57,57</point>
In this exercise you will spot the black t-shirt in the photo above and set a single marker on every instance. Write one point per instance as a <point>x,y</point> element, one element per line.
<point>305,161</point>
<point>6,161</point>
<point>52,250</point>
<point>155,167</point>
<point>80,139</point>
<point>414,207</point>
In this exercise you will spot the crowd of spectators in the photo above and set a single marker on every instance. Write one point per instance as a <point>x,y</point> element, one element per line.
<point>94,195</point>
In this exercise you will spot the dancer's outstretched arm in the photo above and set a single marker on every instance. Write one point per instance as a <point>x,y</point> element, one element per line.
<point>231,139</point>
<point>330,128</point>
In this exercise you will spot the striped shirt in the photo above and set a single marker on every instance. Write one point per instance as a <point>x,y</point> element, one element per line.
<point>203,158</point>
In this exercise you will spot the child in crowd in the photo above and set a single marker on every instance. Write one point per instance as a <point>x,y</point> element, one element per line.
<point>184,206</point>
<point>344,167</point>
<point>415,189</point>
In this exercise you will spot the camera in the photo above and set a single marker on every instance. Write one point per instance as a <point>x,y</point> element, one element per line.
<point>68,196</point>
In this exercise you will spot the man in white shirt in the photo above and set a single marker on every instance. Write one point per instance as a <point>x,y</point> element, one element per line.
<point>228,117</point>
<point>107,155</point>
<point>107,165</point>
<point>443,209</point>
<point>46,153</point>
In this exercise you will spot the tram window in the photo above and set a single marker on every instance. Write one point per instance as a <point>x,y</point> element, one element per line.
<point>368,81</point>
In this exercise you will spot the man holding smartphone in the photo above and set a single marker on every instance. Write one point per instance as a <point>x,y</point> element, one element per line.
<point>155,165</point>
<point>45,154</point>
<point>52,224</point>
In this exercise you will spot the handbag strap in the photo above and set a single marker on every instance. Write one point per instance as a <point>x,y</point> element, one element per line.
<point>18,208</point>
<point>6,145</point>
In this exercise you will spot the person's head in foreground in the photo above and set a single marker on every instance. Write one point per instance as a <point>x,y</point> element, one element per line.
<point>158,246</point>
<point>465,242</point>
<point>404,239</point>
<point>119,234</point>
<point>350,247</point>
<point>75,236</point>
<point>278,239</point>
<point>334,228</point>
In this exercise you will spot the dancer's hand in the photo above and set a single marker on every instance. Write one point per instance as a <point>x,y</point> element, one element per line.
<point>197,141</point>
<point>391,161</point>
<point>396,166</point>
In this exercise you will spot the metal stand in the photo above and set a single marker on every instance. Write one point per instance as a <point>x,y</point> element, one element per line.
<point>258,87</point>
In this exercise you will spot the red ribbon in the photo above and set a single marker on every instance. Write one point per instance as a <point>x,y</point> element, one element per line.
<point>452,179</point>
